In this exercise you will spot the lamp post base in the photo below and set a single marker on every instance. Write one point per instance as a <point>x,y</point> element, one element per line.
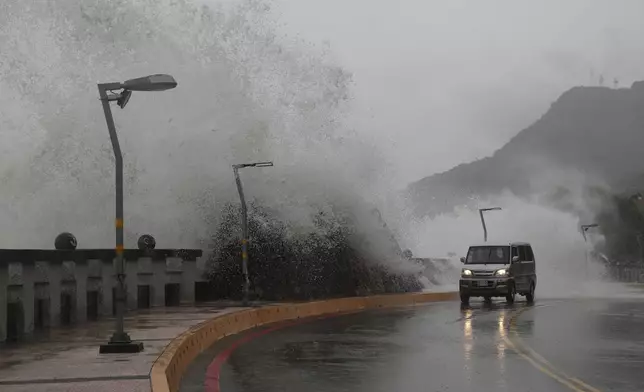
<point>121,344</point>
<point>121,348</point>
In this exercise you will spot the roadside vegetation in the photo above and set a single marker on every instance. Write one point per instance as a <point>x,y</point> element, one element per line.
<point>328,261</point>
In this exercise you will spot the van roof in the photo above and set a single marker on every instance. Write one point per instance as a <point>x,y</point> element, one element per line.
<point>506,244</point>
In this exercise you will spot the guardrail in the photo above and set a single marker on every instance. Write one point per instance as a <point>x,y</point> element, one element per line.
<point>169,368</point>
<point>42,288</point>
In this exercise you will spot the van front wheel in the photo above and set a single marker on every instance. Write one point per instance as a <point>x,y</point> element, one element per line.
<point>530,296</point>
<point>465,299</point>
<point>511,294</point>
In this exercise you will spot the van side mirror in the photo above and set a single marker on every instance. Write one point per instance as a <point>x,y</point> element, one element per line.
<point>515,259</point>
<point>463,260</point>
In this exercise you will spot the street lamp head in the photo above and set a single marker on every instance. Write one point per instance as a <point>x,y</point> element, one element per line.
<point>158,82</point>
<point>254,164</point>
<point>124,98</point>
<point>584,228</point>
<point>491,209</point>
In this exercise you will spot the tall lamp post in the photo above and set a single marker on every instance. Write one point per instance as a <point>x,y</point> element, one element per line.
<point>639,236</point>
<point>584,230</point>
<point>120,341</point>
<point>244,211</point>
<point>481,211</point>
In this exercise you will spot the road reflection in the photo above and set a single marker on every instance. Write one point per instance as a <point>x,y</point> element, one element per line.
<point>501,346</point>
<point>483,347</point>
<point>487,316</point>
<point>467,334</point>
<point>468,342</point>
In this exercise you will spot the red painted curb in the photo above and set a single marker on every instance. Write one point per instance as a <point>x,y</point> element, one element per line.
<point>213,373</point>
<point>214,369</point>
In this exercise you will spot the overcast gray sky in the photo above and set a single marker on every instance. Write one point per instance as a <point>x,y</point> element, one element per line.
<point>442,82</point>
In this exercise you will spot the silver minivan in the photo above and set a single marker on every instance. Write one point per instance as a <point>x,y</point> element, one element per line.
<point>498,271</point>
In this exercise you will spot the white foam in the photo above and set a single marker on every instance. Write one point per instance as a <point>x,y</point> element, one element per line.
<point>244,94</point>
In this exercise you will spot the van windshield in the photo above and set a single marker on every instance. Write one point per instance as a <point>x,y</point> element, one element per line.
<point>488,255</point>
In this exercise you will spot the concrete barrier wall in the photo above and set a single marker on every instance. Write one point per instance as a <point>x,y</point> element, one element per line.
<point>33,281</point>
<point>169,368</point>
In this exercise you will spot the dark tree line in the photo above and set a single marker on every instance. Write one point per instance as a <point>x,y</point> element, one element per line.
<point>620,218</point>
<point>622,223</point>
<point>323,263</point>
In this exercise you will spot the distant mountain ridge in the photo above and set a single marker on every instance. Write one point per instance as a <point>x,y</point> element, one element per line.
<point>597,132</point>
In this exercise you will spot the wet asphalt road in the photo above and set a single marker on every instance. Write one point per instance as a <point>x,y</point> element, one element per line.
<point>553,345</point>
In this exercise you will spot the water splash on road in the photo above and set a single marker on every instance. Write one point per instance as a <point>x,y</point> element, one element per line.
<point>559,247</point>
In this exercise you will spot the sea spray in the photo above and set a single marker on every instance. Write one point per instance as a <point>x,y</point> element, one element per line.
<point>243,96</point>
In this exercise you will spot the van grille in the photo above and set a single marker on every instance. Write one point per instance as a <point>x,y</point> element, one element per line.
<point>483,273</point>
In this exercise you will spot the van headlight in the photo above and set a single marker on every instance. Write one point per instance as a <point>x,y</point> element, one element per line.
<point>466,272</point>
<point>501,272</point>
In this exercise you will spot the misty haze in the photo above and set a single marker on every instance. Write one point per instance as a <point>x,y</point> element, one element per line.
<point>325,151</point>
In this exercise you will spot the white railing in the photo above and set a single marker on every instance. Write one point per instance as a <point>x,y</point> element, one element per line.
<point>45,288</point>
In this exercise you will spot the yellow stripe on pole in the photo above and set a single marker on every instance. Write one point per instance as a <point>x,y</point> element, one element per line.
<point>244,241</point>
<point>119,223</point>
<point>119,249</point>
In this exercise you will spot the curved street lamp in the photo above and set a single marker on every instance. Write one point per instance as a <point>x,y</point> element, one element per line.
<point>584,230</point>
<point>120,341</point>
<point>481,211</point>
<point>244,211</point>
